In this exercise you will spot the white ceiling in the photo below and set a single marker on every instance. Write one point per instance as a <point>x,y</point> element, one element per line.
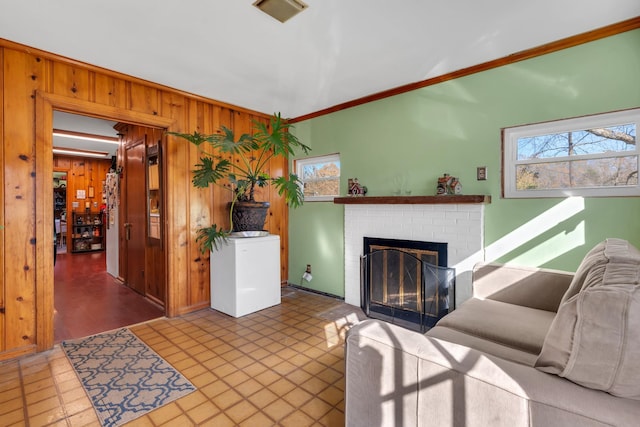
<point>87,125</point>
<point>333,52</point>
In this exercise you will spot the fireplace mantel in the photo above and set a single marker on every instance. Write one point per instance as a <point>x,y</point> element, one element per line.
<point>413,200</point>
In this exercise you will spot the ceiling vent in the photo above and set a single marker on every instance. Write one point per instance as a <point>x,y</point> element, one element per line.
<point>282,10</point>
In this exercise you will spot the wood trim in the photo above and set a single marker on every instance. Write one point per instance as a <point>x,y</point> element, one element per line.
<point>413,200</point>
<point>106,112</point>
<point>572,41</point>
<point>44,220</point>
<point>186,310</point>
<point>121,76</point>
<point>45,104</point>
<point>17,352</point>
<point>3,196</point>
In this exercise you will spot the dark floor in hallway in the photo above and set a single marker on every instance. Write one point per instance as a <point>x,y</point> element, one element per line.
<point>88,300</point>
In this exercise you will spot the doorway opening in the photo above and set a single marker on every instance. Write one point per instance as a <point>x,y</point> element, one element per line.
<point>60,210</point>
<point>91,294</point>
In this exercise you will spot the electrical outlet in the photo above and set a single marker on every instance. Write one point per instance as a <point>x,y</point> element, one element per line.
<point>481,173</point>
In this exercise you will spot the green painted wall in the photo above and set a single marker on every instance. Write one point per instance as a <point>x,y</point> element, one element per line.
<point>453,127</point>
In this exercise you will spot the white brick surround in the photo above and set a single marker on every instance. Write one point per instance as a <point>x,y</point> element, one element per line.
<point>459,225</point>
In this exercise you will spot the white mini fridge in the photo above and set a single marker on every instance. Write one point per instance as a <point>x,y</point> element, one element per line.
<point>245,275</point>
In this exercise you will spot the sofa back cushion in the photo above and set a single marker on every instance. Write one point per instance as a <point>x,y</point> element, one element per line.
<point>589,271</point>
<point>594,339</point>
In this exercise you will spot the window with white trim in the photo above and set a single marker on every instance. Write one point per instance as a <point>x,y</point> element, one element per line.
<point>584,156</point>
<point>320,176</point>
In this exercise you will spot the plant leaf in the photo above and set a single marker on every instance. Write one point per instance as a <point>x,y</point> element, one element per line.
<point>227,143</point>
<point>291,187</point>
<point>209,172</point>
<point>210,238</point>
<point>278,138</point>
<point>194,138</point>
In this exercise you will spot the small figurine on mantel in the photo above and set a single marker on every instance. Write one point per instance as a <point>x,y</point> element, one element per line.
<point>355,189</point>
<point>448,185</point>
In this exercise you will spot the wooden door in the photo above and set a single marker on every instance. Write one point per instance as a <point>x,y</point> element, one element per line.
<point>134,215</point>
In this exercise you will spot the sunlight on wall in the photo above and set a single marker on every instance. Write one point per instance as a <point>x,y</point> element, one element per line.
<point>325,245</point>
<point>554,247</point>
<point>540,224</point>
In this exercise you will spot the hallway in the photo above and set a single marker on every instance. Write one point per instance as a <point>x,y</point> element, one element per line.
<point>87,300</point>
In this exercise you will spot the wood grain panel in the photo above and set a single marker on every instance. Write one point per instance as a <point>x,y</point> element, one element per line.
<point>62,162</point>
<point>221,195</point>
<point>143,98</point>
<point>199,117</point>
<point>21,73</point>
<point>70,81</point>
<point>44,227</point>
<point>110,91</point>
<point>177,199</point>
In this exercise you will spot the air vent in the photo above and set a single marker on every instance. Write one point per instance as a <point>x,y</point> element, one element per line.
<point>282,10</point>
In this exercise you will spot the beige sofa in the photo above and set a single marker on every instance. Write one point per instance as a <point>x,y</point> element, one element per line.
<point>488,362</point>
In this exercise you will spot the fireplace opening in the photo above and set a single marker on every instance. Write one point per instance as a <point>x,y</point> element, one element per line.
<point>406,282</point>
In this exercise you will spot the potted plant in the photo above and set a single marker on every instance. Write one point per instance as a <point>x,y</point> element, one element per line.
<point>253,152</point>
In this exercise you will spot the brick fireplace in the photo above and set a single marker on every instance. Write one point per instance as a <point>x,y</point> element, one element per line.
<point>455,220</point>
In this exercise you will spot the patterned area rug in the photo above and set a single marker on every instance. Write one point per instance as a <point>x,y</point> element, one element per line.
<point>124,378</point>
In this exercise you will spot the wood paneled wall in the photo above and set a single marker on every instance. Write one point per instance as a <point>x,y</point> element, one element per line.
<point>34,83</point>
<point>82,173</point>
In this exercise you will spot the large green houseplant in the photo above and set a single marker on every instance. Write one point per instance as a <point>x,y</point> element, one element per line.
<point>252,152</point>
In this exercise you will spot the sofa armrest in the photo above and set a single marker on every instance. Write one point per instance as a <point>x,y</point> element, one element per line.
<point>396,377</point>
<point>531,287</point>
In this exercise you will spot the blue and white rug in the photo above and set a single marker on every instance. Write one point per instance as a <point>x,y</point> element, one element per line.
<point>124,378</point>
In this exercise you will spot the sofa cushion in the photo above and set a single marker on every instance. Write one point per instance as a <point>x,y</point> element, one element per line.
<point>512,325</point>
<point>593,262</point>
<point>483,345</point>
<point>594,339</point>
<point>591,268</point>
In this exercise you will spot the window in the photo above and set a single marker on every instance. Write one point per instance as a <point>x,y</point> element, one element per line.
<point>584,156</point>
<point>320,176</point>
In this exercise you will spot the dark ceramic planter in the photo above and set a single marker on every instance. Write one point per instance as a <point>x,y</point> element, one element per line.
<point>249,216</point>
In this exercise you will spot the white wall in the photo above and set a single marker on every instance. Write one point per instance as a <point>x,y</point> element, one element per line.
<point>112,243</point>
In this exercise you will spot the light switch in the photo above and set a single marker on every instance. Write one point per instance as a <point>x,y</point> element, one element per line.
<point>481,173</point>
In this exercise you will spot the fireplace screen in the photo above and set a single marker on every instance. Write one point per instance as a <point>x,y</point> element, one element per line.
<point>403,287</point>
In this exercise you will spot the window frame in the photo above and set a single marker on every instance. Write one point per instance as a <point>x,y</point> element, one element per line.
<point>511,135</point>
<point>298,164</point>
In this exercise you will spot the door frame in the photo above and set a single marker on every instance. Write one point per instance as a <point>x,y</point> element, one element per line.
<point>46,103</point>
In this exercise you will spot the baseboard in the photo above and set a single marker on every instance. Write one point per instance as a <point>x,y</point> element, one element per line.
<point>314,291</point>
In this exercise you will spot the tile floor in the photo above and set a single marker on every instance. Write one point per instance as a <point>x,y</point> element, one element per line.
<point>280,366</point>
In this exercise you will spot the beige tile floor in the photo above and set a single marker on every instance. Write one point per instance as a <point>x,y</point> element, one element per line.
<point>280,366</point>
